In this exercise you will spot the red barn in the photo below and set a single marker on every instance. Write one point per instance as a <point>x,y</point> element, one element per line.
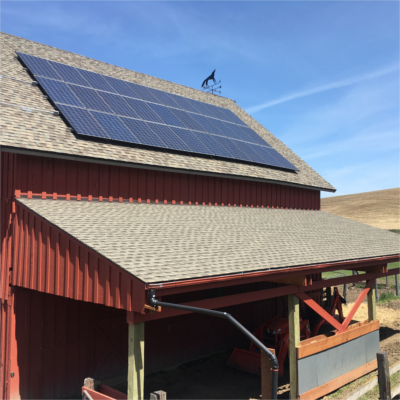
<point>91,221</point>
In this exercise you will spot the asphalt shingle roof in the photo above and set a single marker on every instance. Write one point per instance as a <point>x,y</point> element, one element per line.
<point>160,243</point>
<point>38,131</point>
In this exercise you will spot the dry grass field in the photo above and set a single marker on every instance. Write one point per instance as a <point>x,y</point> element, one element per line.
<point>380,208</point>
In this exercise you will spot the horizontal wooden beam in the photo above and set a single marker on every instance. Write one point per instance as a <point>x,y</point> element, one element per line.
<point>294,280</point>
<point>258,295</point>
<point>322,342</point>
<point>168,288</point>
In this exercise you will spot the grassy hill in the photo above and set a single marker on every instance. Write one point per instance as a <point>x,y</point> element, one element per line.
<point>380,208</point>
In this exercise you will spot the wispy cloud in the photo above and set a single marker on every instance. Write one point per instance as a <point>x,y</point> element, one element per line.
<point>323,88</point>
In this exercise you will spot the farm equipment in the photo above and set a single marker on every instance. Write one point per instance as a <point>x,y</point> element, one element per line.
<point>334,304</point>
<point>275,335</point>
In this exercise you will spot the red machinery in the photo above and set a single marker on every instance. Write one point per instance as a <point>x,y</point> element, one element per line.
<point>275,335</point>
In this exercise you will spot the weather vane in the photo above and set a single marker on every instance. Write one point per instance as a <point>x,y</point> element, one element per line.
<point>211,88</point>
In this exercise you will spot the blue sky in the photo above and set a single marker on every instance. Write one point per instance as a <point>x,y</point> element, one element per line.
<point>321,76</point>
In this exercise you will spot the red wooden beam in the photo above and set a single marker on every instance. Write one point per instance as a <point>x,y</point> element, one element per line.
<point>191,285</point>
<point>360,299</point>
<point>248,297</point>
<point>320,311</point>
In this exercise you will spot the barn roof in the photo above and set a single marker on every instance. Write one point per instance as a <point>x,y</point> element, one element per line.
<point>28,129</point>
<point>160,243</point>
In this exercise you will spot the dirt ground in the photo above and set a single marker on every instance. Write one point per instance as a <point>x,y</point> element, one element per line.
<point>379,208</point>
<point>210,378</point>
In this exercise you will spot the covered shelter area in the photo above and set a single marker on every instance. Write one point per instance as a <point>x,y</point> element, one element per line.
<point>129,203</point>
<point>234,259</point>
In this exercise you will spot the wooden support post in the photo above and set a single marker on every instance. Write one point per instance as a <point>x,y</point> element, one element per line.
<point>354,273</point>
<point>396,277</point>
<point>136,362</point>
<point>159,395</point>
<point>345,293</point>
<point>266,376</point>
<point>91,383</point>
<point>387,281</point>
<point>383,376</point>
<point>376,290</point>
<point>294,340</point>
<point>372,303</point>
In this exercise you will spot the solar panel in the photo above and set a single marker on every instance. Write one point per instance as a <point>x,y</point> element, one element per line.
<point>166,115</point>
<point>169,137</point>
<point>106,107</point>
<point>143,132</point>
<point>143,92</point>
<point>59,92</point>
<point>83,122</point>
<point>207,124</point>
<point>224,129</point>
<point>231,117</point>
<point>114,127</point>
<point>187,120</point>
<point>68,74</point>
<point>120,87</point>
<point>118,105</point>
<point>233,149</point>
<point>192,141</point>
<point>213,145</point>
<point>96,81</point>
<point>165,98</point>
<point>39,66</point>
<point>143,110</point>
<point>90,98</point>
<point>254,137</point>
<point>184,104</point>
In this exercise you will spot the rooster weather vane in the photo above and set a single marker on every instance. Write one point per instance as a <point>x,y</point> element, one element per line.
<point>211,88</point>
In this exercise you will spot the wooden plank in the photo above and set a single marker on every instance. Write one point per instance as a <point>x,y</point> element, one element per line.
<point>372,304</point>
<point>266,376</point>
<point>383,375</point>
<point>318,345</point>
<point>320,311</point>
<point>328,387</point>
<point>331,333</point>
<point>294,341</point>
<point>136,361</point>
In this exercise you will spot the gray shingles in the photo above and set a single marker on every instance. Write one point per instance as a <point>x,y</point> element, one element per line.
<point>44,132</point>
<point>159,243</point>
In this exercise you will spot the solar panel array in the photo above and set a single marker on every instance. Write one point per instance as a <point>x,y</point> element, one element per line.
<point>103,107</point>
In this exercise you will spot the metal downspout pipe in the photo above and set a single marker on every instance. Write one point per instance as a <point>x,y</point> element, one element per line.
<point>233,321</point>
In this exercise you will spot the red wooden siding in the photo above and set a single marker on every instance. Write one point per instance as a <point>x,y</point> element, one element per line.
<point>57,342</point>
<point>48,260</point>
<point>5,332</point>
<point>55,177</point>
<point>8,167</point>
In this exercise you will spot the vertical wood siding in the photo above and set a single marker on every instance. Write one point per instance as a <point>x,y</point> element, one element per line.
<point>8,167</point>
<point>48,260</point>
<point>58,341</point>
<point>48,177</point>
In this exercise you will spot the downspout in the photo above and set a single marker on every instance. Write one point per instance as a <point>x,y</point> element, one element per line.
<point>275,365</point>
